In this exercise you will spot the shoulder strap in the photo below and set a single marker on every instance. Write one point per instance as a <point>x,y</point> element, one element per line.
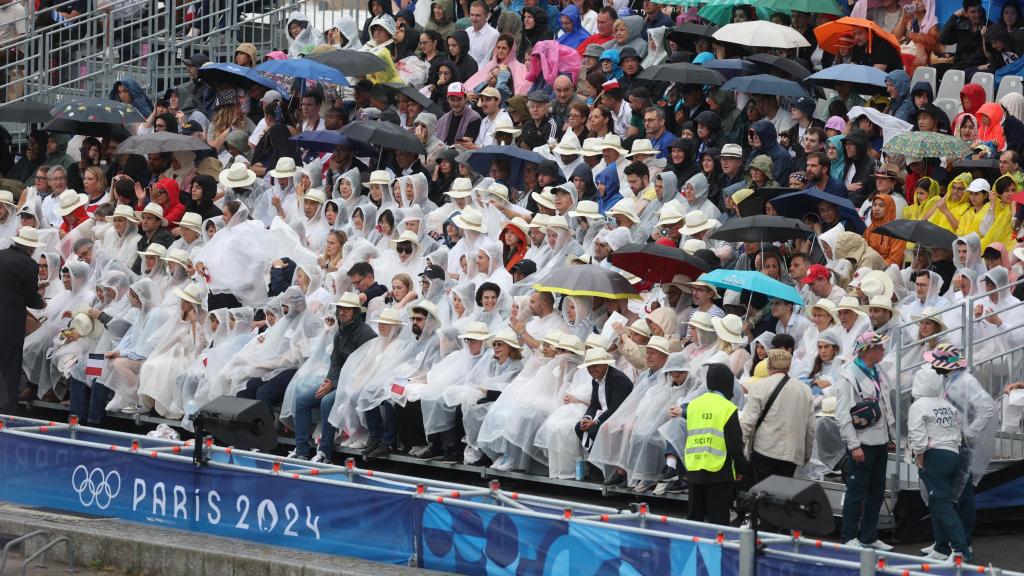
<point>771,400</point>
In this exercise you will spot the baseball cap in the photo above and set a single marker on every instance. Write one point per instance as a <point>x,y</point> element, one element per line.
<point>197,59</point>
<point>271,96</point>
<point>732,151</point>
<point>433,272</point>
<point>815,272</point>
<point>456,89</point>
<point>803,104</point>
<point>525,267</point>
<point>189,127</point>
<point>538,96</point>
<point>979,185</point>
<point>490,92</point>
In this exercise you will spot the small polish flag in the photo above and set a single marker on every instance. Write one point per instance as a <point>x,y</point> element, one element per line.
<point>94,365</point>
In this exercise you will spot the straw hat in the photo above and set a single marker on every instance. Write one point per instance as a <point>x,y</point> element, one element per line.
<point>569,145</point>
<point>315,195</point>
<point>539,222</point>
<point>552,338</point>
<point>427,306</point>
<point>659,343</point>
<point>499,190</point>
<point>189,220</point>
<point>461,188</point>
<point>519,224</point>
<point>470,219</point>
<point>641,327</point>
<point>571,343</point>
<point>388,316</point>
<point>86,326</point>
<point>877,283</point>
<point>740,195</point>
<point>350,300</point>
<point>69,201</point>
<point>931,314</point>
<point>849,303</point>
<point>154,209</point>
<point>382,177</point>
<point>597,356</point>
<point>210,166</point>
<point>829,405</point>
<point>696,221</point>
<point>699,282</point>
<point>406,236</point>
<point>669,215</point>
<point>585,209</point>
<point>729,329</point>
<point>192,293</point>
<point>237,175</point>
<point>154,249</point>
<point>475,331</point>
<point>641,146</point>
<point>611,141</point>
<point>883,302</point>
<point>596,341</point>
<point>692,245</point>
<point>178,256</point>
<point>285,168</point>
<point>506,336</point>
<point>701,320</point>
<point>7,197</point>
<point>622,207</point>
<point>27,236</point>
<point>504,125</point>
<point>545,198</point>
<point>825,305</point>
<point>125,211</point>
<point>681,281</point>
<point>591,147</point>
<point>558,222</point>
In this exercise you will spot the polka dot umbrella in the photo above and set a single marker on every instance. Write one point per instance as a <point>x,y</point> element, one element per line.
<point>97,117</point>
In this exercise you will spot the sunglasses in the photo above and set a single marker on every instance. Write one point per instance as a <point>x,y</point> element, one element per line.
<point>404,249</point>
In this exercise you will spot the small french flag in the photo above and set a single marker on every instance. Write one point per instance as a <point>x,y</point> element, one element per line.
<point>94,365</point>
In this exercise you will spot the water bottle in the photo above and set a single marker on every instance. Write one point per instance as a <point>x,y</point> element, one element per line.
<point>581,469</point>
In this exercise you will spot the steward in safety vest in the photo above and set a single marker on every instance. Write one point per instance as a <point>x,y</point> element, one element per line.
<point>713,455</point>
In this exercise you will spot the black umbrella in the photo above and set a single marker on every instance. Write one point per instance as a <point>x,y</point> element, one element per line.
<point>769,62</point>
<point>350,62</point>
<point>416,96</point>
<point>93,117</point>
<point>25,112</point>
<point>765,84</point>
<point>383,134</point>
<point>158,142</point>
<point>480,160</point>
<point>657,263</point>
<point>918,231</point>
<point>587,280</point>
<point>690,30</point>
<point>683,73</point>
<point>754,204</point>
<point>761,229</point>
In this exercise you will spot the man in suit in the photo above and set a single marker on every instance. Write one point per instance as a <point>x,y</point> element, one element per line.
<point>18,292</point>
<point>609,388</point>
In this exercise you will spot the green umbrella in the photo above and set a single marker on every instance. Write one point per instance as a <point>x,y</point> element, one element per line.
<point>720,11</point>
<point>806,6</point>
<point>927,145</point>
<point>684,3</point>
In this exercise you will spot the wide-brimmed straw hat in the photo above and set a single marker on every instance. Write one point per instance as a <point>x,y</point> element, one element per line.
<point>471,219</point>
<point>285,168</point>
<point>237,175</point>
<point>69,201</point>
<point>193,293</point>
<point>506,336</point>
<point>349,300</point>
<point>729,328</point>
<point>153,209</point>
<point>475,331</point>
<point>597,356</point>
<point>28,237</point>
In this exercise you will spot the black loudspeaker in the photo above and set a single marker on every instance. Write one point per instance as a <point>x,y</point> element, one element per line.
<point>239,422</point>
<point>793,504</point>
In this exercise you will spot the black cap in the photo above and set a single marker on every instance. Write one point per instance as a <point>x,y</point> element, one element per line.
<point>628,52</point>
<point>433,272</point>
<point>189,127</point>
<point>363,85</point>
<point>524,267</point>
<point>197,60</point>
<point>992,254</point>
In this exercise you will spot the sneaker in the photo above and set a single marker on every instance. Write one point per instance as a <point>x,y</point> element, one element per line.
<point>616,479</point>
<point>676,486</point>
<point>643,486</point>
<point>854,543</point>
<point>450,456</point>
<point>320,458</point>
<point>419,451</point>
<point>381,451</point>
<point>928,550</point>
<point>371,445</point>
<point>357,444</point>
<point>936,556</point>
<point>879,545</point>
<point>294,455</point>
<point>660,488</point>
<point>134,409</point>
<point>668,474</point>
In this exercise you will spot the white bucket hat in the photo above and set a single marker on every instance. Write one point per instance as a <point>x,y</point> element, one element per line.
<point>125,211</point>
<point>237,175</point>
<point>696,221</point>
<point>382,177</point>
<point>539,221</point>
<point>558,222</point>
<point>315,195</point>
<point>931,314</point>
<point>390,316</point>
<point>641,327</point>
<point>849,303</point>
<point>470,219</point>
<point>659,343</point>
<point>669,215</point>
<point>641,146</point>
<point>596,341</point>
<point>27,236</point>
<point>702,321</point>
<point>623,208</point>
<point>285,168</point>
<point>591,147</point>
<point>461,188</point>
<point>571,343</point>
<point>729,328</point>
<point>552,338</point>
<point>7,197</point>
<point>154,249</point>
<point>699,282</point>
<point>406,236</point>
<point>611,141</point>
<point>545,198</point>
<point>883,302</point>
<point>427,306</point>
<point>504,125</point>
<point>69,201</point>
<point>192,293</point>
<point>178,256</point>
<point>825,305</point>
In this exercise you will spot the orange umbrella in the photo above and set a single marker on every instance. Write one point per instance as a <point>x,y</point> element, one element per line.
<point>839,33</point>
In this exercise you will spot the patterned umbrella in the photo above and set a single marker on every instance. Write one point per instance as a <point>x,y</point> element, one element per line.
<point>93,117</point>
<point>927,145</point>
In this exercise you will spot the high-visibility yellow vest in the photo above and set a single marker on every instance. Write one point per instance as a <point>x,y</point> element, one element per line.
<point>705,432</point>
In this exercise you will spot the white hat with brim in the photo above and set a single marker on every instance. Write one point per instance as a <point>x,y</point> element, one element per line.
<point>701,321</point>
<point>497,189</point>
<point>153,209</point>
<point>461,188</point>
<point>390,316</point>
<point>729,329</point>
<point>597,356</point>
<point>189,220</point>
<point>505,126</point>
<point>641,146</point>
<point>7,197</point>
<point>622,208</point>
<point>591,147</point>
<point>552,338</point>
<point>932,315</point>
<point>681,281</point>
<point>85,326</point>
<point>660,343</point>
<point>849,303</point>
<point>558,222</point>
<point>596,341</point>
<point>669,215</point>
<point>70,201</point>
<point>470,219</point>
<point>585,209</point>
<point>176,255</point>
<point>285,168</point>
<point>349,300</point>
<point>508,337</point>
<point>569,145</point>
<point>237,175</point>
<point>382,177</point>
<point>699,282</point>
<point>829,405</point>
<point>519,224</point>
<point>877,283</point>
<point>406,236</point>
<point>696,221</point>
<point>545,198</point>
<point>475,331</point>
<point>641,327</point>
<point>427,306</point>
<point>125,211</point>
<point>693,244</point>
<point>539,221</point>
<point>193,293</point>
<point>315,195</point>
<point>883,302</point>
<point>611,142</point>
<point>28,237</point>
<point>154,249</point>
<point>827,306</point>
<point>571,343</point>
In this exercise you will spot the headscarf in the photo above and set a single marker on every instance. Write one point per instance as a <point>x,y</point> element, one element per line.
<point>839,164</point>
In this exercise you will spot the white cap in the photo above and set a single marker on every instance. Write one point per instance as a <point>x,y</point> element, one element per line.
<point>979,185</point>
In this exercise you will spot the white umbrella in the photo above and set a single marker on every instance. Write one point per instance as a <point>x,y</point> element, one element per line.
<point>762,34</point>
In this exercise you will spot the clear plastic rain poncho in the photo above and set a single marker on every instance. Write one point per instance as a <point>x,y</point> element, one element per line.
<point>121,246</point>
<point>306,40</point>
<point>517,375</point>
<point>313,370</point>
<point>556,437</point>
<point>53,286</point>
<point>237,259</point>
<point>611,446</point>
<point>316,227</point>
<point>139,341</point>
<point>180,344</point>
<point>979,421</point>
<point>412,363</point>
<point>669,192</point>
<point>455,369</point>
<point>459,306</point>
<point>673,430</point>
<point>37,350</point>
<point>189,380</point>
<point>967,252</point>
<point>991,371</point>
<point>347,193</point>
<point>239,332</point>
<point>577,313</point>
<point>175,278</point>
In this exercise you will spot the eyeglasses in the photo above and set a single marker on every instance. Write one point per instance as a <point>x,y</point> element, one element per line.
<point>418,319</point>
<point>356,280</point>
<point>57,178</point>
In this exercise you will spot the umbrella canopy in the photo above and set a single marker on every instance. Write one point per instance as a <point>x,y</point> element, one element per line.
<point>85,128</point>
<point>805,6</point>
<point>765,84</point>
<point>235,75</point>
<point>350,62</point>
<point>656,263</point>
<point>865,79</point>
<point>771,62</point>
<point>683,73</point>
<point>480,161</point>
<point>799,204</point>
<point>416,96</point>
<point>927,145</point>
<point>752,281</point>
<point>761,34</point>
<point>304,68</point>
<point>158,142</point>
<point>587,280</point>
<point>321,140</point>
<point>25,112</point>
<point>755,203</point>
<point>383,134</point>
<point>720,11</point>
<point>836,34</point>
<point>690,30</point>
<point>94,117</point>
<point>920,232</point>
<point>761,228</point>
<point>731,67</point>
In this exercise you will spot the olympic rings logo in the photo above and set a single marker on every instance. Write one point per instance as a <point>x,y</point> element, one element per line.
<point>94,487</point>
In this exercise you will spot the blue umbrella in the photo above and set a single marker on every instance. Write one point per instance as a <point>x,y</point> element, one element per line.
<point>326,140</point>
<point>865,79</point>
<point>765,84</point>
<point>305,69</point>
<point>731,67</point>
<point>234,74</point>
<point>480,161</point>
<point>799,204</point>
<point>752,281</point>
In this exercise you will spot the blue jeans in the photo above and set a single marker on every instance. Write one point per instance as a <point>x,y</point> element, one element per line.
<point>382,424</point>
<point>305,403</point>
<point>865,491</point>
<point>939,474</point>
<point>88,404</point>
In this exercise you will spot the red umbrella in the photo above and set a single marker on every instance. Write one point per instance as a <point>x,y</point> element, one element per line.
<point>657,263</point>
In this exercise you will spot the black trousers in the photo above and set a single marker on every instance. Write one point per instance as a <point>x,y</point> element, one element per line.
<point>764,467</point>
<point>224,300</point>
<point>10,376</point>
<point>711,502</point>
<point>409,420</point>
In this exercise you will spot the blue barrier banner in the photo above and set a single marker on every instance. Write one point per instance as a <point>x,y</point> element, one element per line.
<point>473,541</point>
<point>270,509</point>
<point>777,566</point>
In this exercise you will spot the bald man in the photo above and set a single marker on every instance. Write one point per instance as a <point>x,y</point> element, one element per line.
<point>565,96</point>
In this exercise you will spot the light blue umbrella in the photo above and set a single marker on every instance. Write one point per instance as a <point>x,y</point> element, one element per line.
<point>305,69</point>
<point>752,281</point>
<point>865,79</point>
